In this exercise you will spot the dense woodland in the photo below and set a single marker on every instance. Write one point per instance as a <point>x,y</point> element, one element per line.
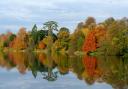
<point>109,37</point>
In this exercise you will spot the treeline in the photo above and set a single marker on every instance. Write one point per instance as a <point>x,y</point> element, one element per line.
<point>109,37</point>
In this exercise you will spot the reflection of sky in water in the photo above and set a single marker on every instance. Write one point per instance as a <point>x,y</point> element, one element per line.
<point>13,80</point>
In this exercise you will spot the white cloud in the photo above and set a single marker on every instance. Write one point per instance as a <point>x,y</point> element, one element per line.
<point>66,12</point>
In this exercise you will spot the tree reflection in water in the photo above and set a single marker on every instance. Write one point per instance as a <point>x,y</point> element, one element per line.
<point>92,73</point>
<point>49,75</point>
<point>109,69</point>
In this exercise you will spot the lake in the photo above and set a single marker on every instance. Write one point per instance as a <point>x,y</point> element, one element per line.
<point>27,70</point>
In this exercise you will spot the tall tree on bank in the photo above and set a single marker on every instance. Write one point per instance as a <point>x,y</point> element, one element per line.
<point>50,26</point>
<point>34,34</point>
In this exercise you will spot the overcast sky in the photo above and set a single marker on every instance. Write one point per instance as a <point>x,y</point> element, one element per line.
<point>17,13</point>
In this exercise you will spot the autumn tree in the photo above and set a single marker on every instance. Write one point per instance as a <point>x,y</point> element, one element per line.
<point>115,42</point>
<point>7,39</point>
<point>90,23</point>
<point>3,38</point>
<point>21,40</point>
<point>80,25</point>
<point>50,26</point>
<point>63,33</point>
<point>76,38</point>
<point>109,21</point>
<point>90,42</point>
<point>63,38</point>
<point>11,40</point>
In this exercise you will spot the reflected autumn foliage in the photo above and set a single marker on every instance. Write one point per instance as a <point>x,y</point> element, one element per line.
<point>91,72</point>
<point>110,69</point>
<point>115,71</point>
<point>91,66</point>
<point>42,57</point>
<point>62,61</point>
<point>19,60</point>
<point>5,62</point>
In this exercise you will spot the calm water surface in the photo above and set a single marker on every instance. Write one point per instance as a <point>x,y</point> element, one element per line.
<point>19,70</point>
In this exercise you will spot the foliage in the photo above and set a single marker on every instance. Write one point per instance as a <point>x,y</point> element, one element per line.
<point>41,45</point>
<point>63,38</point>
<point>20,42</point>
<point>50,26</point>
<point>90,42</point>
<point>116,39</point>
<point>89,36</point>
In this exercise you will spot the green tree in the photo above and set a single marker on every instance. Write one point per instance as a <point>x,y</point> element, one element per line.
<point>34,35</point>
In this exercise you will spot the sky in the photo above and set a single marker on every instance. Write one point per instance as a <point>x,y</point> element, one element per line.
<point>25,13</point>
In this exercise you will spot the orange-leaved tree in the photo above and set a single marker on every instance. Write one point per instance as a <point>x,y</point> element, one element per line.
<point>20,42</point>
<point>93,38</point>
<point>90,42</point>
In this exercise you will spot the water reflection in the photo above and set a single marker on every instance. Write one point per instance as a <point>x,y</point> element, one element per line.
<point>91,72</point>
<point>109,69</point>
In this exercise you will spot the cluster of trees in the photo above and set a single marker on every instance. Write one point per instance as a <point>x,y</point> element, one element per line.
<point>116,40</point>
<point>89,36</point>
<point>109,37</point>
<point>37,38</point>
